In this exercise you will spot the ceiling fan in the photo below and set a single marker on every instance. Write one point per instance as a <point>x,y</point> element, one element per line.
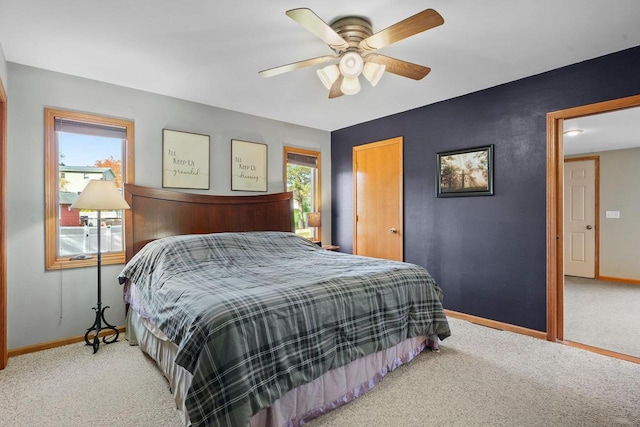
<point>354,43</point>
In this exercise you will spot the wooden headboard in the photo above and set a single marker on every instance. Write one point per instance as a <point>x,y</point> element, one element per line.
<point>159,213</point>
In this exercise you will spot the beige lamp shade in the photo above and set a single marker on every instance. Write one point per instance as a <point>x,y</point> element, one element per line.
<point>328,75</point>
<point>350,85</point>
<point>100,195</point>
<point>313,219</point>
<point>373,72</point>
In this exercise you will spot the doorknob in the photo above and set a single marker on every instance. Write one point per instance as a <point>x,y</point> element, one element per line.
<point>589,227</point>
<point>393,231</point>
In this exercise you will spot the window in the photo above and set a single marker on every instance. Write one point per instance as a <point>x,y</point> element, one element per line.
<point>302,175</point>
<point>80,147</point>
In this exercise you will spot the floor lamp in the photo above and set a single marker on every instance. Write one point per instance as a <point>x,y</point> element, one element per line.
<point>98,196</point>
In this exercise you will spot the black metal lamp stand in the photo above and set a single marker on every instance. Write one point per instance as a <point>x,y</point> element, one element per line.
<point>99,195</point>
<point>100,320</point>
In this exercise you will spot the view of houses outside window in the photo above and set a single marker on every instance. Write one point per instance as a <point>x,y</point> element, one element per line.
<point>83,158</point>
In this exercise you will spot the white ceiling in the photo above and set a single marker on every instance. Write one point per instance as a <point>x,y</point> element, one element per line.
<point>616,130</point>
<point>211,51</point>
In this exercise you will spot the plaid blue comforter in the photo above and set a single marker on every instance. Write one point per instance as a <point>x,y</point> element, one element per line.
<point>258,314</point>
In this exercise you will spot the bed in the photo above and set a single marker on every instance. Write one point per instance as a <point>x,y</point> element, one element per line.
<point>254,325</point>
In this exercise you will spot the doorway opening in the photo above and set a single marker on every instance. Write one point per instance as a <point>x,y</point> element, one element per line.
<point>555,215</point>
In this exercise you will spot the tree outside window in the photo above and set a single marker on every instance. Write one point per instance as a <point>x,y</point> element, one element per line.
<point>302,176</point>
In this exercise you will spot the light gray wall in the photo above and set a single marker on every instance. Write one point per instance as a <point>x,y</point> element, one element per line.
<point>619,238</point>
<point>44,306</point>
<point>3,67</point>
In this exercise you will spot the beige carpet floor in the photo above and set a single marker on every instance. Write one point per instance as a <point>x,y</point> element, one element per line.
<point>481,377</point>
<point>602,314</point>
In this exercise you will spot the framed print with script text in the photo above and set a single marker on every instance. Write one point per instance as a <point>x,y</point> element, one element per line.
<point>185,160</point>
<point>248,166</point>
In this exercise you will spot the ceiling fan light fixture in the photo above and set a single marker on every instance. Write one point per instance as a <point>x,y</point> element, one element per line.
<point>373,72</point>
<point>352,39</point>
<point>350,85</point>
<point>351,65</point>
<point>328,75</point>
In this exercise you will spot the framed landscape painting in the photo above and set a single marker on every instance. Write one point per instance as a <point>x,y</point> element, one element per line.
<point>466,172</point>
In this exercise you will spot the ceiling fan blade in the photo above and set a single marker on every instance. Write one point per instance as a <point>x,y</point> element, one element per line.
<point>296,65</point>
<point>335,88</point>
<point>399,67</point>
<point>318,27</point>
<point>413,25</point>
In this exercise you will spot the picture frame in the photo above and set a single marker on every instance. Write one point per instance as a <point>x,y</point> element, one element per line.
<point>185,160</point>
<point>249,166</point>
<point>465,172</point>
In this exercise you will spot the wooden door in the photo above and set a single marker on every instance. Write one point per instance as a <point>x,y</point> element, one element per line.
<point>580,217</point>
<point>378,199</point>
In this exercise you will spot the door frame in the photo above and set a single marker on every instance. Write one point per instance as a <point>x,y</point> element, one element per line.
<point>4,354</point>
<point>596,208</point>
<point>555,205</point>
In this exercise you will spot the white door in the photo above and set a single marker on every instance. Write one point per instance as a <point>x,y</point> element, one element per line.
<point>579,218</point>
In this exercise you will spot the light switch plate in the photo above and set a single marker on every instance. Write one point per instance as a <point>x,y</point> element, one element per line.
<point>612,214</point>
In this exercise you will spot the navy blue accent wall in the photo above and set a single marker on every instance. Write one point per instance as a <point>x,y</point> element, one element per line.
<point>488,253</point>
